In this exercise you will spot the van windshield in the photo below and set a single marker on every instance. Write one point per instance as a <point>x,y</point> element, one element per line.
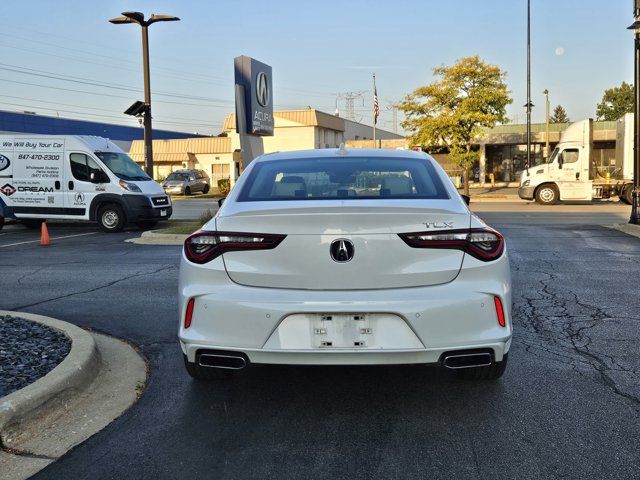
<point>122,166</point>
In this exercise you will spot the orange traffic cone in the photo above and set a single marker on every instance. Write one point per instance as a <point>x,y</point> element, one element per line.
<point>44,235</point>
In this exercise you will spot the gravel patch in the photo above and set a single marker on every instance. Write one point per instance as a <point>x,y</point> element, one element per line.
<point>28,351</point>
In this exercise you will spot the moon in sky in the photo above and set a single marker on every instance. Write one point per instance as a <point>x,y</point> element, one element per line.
<point>559,51</point>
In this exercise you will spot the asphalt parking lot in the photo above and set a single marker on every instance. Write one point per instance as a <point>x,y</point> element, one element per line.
<point>567,407</point>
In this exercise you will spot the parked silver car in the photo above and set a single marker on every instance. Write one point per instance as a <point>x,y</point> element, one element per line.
<point>186,182</point>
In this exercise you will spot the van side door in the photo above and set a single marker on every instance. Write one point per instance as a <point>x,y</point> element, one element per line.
<point>85,180</point>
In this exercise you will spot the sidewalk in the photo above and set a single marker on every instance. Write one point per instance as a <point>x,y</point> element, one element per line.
<point>496,194</point>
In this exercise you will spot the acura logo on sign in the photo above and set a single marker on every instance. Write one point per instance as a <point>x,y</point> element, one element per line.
<point>8,190</point>
<point>262,89</point>
<point>341,250</point>
<point>4,163</point>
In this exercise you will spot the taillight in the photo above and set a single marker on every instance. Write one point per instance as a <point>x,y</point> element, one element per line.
<point>189,313</point>
<point>202,247</point>
<point>483,243</point>
<point>499,311</point>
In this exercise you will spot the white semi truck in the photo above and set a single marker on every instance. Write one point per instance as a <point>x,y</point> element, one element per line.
<point>570,174</point>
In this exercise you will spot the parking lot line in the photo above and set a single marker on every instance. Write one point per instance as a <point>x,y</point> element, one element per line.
<point>52,238</point>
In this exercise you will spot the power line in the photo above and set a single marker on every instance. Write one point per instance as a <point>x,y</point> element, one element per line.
<point>349,99</point>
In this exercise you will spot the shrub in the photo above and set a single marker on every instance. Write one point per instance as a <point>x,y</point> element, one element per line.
<point>224,185</point>
<point>205,217</point>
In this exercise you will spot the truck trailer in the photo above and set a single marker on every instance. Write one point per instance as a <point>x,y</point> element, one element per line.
<point>571,174</point>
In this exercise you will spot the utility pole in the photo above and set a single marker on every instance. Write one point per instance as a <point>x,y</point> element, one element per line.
<point>546,154</point>
<point>137,17</point>
<point>635,203</point>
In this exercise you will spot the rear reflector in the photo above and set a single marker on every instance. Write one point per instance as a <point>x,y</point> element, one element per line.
<point>482,243</point>
<point>499,311</point>
<point>189,313</point>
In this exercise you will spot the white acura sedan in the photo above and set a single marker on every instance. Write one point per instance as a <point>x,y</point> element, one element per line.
<point>345,257</point>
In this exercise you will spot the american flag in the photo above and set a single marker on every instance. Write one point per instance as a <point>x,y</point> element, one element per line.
<point>376,105</point>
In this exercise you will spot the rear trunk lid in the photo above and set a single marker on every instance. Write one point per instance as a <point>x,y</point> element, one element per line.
<point>381,259</point>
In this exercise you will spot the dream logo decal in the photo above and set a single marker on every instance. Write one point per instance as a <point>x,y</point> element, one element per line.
<point>8,190</point>
<point>4,163</point>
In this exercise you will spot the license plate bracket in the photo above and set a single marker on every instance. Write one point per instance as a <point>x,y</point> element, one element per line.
<point>342,330</point>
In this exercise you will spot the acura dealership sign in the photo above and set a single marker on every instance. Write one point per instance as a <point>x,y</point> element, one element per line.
<point>255,78</point>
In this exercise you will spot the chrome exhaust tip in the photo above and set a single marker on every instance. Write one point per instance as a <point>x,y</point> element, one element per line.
<point>455,361</point>
<point>224,361</point>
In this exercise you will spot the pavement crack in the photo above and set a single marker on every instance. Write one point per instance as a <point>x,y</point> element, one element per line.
<point>94,289</point>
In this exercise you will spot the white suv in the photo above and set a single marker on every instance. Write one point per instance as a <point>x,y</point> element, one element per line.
<point>336,257</point>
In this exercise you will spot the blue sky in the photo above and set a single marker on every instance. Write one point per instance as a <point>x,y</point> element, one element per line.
<point>316,48</point>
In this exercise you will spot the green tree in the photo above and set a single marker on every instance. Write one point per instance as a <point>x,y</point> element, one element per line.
<point>452,111</point>
<point>559,115</point>
<point>616,102</point>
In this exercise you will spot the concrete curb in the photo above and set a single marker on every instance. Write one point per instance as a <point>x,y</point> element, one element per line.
<point>74,373</point>
<point>627,228</point>
<point>152,238</point>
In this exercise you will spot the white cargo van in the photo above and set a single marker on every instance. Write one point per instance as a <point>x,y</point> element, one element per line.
<point>76,178</point>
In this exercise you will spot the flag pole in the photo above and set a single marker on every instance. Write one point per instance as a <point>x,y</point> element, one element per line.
<point>375,119</point>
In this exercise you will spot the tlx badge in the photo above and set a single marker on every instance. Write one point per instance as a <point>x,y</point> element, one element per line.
<point>438,224</point>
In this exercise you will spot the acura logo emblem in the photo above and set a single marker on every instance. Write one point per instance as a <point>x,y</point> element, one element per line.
<point>341,250</point>
<point>262,89</point>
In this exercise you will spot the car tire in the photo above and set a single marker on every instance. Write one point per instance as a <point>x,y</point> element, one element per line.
<point>146,224</point>
<point>627,194</point>
<point>111,218</point>
<point>205,190</point>
<point>32,223</point>
<point>547,195</point>
<point>205,374</point>
<point>187,191</point>
<point>490,372</point>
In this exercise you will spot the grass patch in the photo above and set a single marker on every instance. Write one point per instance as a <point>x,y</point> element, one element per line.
<point>183,228</point>
<point>194,197</point>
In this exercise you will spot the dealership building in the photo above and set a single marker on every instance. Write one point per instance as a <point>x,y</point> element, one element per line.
<point>30,123</point>
<point>221,156</point>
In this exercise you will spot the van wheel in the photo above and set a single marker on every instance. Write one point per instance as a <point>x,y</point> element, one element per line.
<point>627,194</point>
<point>111,218</point>
<point>32,223</point>
<point>203,373</point>
<point>205,190</point>
<point>187,191</point>
<point>490,372</point>
<point>547,195</point>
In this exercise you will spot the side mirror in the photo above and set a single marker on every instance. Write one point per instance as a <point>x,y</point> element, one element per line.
<point>98,177</point>
<point>220,201</point>
<point>560,160</point>
<point>466,198</point>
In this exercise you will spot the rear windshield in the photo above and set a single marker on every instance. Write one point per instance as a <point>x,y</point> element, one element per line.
<point>342,178</point>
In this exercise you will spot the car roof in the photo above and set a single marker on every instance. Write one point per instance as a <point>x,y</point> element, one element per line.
<point>341,153</point>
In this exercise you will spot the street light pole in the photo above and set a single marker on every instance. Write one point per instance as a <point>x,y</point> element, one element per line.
<point>529,104</point>
<point>546,153</point>
<point>137,17</point>
<point>635,203</point>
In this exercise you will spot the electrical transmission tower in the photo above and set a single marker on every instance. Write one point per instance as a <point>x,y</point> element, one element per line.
<point>349,103</point>
<point>393,106</point>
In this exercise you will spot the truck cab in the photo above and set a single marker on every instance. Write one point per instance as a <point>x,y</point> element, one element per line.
<point>565,176</point>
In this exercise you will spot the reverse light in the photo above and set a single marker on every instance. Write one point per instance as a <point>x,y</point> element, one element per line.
<point>482,243</point>
<point>202,247</point>
<point>189,313</point>
<point>499,311</point>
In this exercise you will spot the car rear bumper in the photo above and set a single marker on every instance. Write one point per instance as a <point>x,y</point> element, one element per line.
<point>459,315</point>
